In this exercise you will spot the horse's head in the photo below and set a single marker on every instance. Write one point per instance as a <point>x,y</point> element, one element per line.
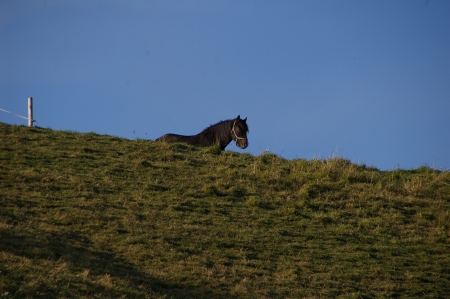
<point>239,132</point>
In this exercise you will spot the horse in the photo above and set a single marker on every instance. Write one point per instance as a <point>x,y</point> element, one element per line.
<point>220,134</point>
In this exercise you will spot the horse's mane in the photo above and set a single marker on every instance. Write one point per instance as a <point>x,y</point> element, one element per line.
<point>222,123</point>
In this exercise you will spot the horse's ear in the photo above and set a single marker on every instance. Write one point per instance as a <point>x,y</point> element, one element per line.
<point>245,119</point>
<point>239,117</point>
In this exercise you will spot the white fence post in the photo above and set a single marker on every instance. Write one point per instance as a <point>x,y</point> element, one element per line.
<point>30,111</point>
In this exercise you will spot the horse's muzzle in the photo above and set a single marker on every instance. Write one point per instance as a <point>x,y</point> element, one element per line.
<point>242,143</point>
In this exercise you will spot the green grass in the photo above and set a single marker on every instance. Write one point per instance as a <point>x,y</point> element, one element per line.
<point>94,216</point>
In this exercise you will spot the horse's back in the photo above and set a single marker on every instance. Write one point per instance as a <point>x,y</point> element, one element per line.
<point>173,138</point>
<point>162,138</point>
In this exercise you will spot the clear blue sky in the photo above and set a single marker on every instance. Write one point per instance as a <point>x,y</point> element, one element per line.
<point>365,80</point>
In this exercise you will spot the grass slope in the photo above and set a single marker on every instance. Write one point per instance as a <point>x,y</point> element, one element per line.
<point>92,216</point>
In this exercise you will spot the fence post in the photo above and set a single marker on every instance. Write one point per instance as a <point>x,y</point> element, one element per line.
<point>30,111</point>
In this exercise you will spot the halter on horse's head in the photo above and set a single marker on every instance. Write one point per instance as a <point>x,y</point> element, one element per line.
<point>239,132</point>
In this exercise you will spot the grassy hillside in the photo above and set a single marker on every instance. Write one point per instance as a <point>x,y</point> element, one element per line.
<point>92,216</point>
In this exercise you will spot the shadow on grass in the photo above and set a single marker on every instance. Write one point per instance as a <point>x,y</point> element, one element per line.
<point>17,283</point>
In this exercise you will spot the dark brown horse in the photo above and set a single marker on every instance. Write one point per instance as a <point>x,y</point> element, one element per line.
<point>221,134</point>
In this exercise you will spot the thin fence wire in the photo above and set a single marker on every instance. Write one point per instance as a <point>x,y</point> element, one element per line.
<point>14,114</point>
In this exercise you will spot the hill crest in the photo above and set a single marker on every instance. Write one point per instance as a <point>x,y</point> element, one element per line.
<point>87,215</point>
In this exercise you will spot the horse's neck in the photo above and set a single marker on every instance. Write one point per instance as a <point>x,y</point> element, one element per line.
<point>223,134</point>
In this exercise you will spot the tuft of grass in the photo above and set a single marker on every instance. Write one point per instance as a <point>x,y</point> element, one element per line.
<point>87,215</point>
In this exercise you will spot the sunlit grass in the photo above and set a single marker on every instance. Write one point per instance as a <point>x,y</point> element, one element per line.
<point>86,215</point>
